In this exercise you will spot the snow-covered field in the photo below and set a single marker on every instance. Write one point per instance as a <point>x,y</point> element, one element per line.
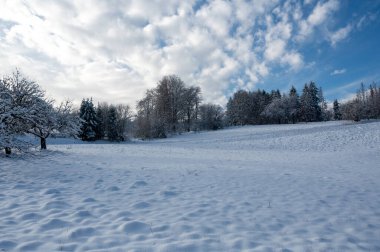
<point>305,187</point>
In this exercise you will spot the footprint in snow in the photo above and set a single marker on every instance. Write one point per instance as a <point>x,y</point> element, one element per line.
<point>54,224</point>
<point>57,204</point>
<point>113,189</point>
<point>82,232</point>
<point>141,205</point>
<point>31,216</point>
<point>135,227</point>
<point>168,194</point>
<point>83,214</point>
<point>89,200</point>
<point>139,183</point>
<point>52,191</point>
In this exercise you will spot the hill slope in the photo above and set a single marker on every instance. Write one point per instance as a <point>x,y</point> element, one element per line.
<point>302,187</point>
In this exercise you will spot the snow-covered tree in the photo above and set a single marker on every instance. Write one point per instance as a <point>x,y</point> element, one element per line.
<point>89,121</point>
<point>18,109</point>
<point>277,110</point>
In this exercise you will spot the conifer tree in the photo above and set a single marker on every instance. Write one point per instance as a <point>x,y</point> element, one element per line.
<point>294,105</point>
<point>310,109</point>
<point>336,108</point>
<point>112,124</point>
<point>89,121</point>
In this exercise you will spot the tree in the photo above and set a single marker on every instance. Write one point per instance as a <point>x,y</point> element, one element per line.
<point>336,108</point>
<point>124,122</point>
<point>25,109</point>
<point>89,120</point>
<point>210,117</point>
<point>310,108</point>
<point>45,121</point>
<point>112,131</point>
<point>294,105</point>
<point>278,109</point>
<point>61,119</point>
<point>19,107</point>
<point>101,115</point>
<point>146,115</point>
<point>191,105</point>
<point>324,116</point>
<point>171,107</point>
<point>239,107</point>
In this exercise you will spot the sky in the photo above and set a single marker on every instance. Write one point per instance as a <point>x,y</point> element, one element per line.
<point>113,51</point>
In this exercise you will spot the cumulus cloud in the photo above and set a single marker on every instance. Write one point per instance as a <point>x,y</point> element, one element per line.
<point>115,50</point>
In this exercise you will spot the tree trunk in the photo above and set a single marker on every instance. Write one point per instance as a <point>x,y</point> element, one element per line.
<point>43,143</point>
<point>8,151</point>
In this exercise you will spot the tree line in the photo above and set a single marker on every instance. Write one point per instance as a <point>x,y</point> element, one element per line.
<point>170,108</point>
<point>261,107</point>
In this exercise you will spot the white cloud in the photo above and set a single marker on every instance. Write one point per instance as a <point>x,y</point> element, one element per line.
<point>366,20</point>
<point>340,34</point>
<point>338,71</point>
<point>320,14</point>
<point>114,51</point>
<point>322,11</point>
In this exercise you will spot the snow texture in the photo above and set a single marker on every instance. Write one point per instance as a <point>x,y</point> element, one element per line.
<point>304,187</point>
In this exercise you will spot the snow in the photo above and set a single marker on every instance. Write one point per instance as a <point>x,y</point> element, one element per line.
<point>304,187</point>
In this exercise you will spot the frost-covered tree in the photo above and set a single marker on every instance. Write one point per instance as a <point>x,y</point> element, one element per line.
<point>61,119</point>
<point>25,109</point>
<point>124,121</point>
<point>18,109</point>
<point>278,110</point>
<point>89,121</point>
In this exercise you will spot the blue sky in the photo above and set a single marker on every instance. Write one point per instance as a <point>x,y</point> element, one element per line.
<point>114,50</point>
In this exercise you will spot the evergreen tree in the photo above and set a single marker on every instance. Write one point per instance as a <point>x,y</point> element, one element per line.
<point>324,116</point>
<point>310,109</point>
<point>112,124</point>
<point>89,121</point>
<point>336,108</point>
<point>294,105</point>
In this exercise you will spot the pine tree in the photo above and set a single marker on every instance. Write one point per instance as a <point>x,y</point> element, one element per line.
<point>89,121</point>
<point>336,108</point>
<point>112,124</point>
<point>294,105</point>
<point>324,116</point>
<point>310,108</point>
